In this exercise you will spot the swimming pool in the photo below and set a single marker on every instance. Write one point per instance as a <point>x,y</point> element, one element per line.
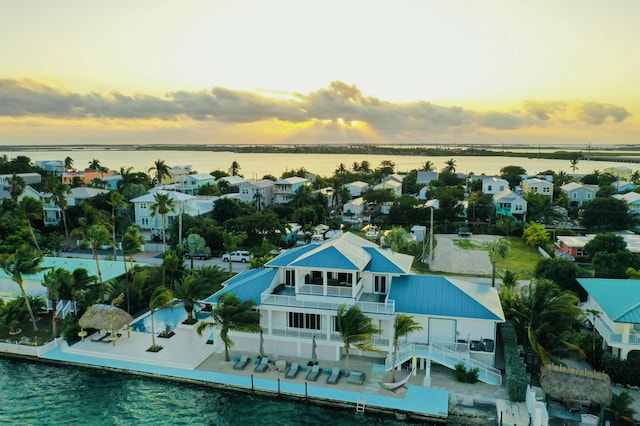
<point>171,316</point>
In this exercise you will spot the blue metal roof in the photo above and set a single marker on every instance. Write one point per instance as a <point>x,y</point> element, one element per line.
<point>247,285</point>
<point>620,299</point>
<point>328,257</point>
<point>437,296</point>
<point>380,264</point>
<point>291,255</point>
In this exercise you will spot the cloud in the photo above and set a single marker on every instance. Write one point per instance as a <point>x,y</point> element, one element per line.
<point>338,101</point>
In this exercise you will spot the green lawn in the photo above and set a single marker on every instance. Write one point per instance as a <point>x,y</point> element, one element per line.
<point>521,259</point>
<point>42,336</point>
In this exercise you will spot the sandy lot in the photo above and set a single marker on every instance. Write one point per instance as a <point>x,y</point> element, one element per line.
<point>449,257</point>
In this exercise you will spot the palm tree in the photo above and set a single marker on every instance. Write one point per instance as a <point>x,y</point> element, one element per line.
<point>573,164</point>
<point>16,186</point>
<point>163,204</point>
<point>232,314</point>
<point>95,165</point>
<point>132,241</point>
<point>621,407</point>
<point>59,196</point>
<point>96,237</point>
<point>54,280</point>
<point>450,166</point>
<point>497,248</point>
<point>160,298</point>
<point>355,329</point>
<point>234,170</point>
<point>428,166</point>
<point>68,163</point>
<point>546,319</point>
<point>31,209</point>
<point>509,278</point>
<point>25,261</point>
<point>257,200</point>
<point>365,166</point>
<point>116,200</point>
<point>161,171</point>
<point>231,242</point>
<point>403,324</point>
<point>191,290</point>
<point>193,245</point>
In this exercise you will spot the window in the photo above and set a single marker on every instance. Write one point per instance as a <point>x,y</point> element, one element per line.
<point>546,190</point>
<point>143,205</point>
<point>300,320</point>
<point>489,187</point>
<point>588,195</point>
<point>290,277</point>
<point>380,284</point>
<point>574,195</point>
<point>344,277</point>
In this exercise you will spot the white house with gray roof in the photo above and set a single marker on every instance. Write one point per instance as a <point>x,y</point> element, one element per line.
<point>285,189</point>
<point>299,292</point>
<point>578,193</point>
<point>260,192</point>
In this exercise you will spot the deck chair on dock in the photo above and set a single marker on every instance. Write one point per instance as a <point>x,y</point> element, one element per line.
<point>293,371</point>
<point>312,376</point>
<point>242,362</point>
<point>262,367</point>
<point>334,376</point>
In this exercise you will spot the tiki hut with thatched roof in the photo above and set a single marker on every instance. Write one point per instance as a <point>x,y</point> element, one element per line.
<point>105,317</point>
<point>575,384</point>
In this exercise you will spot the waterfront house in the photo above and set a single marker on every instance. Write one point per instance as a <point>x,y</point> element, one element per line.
<point>537,185</point>
<point>285,189</point>
<point>578,193</point>
<point>176,173</point>
<point>508,203</point>
<point>615,304</point>
<point>83,193</point>
<point>357,188</point>
<point>621,172</point>
<point>86,176</point>
<point>357,206</point>
<point>260,193</point>
<point>622,186</point>
<point>494,185</point>
<point>299,292</point>
<point>54,166</point>
<point>191,183</point>
<point>633,202</point>
<point>184,204</point>
<point>392,185</point>
<point>29,178</point>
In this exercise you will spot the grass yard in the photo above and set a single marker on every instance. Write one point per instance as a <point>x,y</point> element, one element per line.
<point>521,259</point>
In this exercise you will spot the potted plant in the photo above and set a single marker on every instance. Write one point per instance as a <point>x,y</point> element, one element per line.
<point>167,332</point>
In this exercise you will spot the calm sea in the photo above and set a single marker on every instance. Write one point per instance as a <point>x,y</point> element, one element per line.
<point>41,394</point>
<point>255,166</point>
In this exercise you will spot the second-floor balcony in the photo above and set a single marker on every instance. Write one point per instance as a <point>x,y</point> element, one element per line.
<point>613,333</point>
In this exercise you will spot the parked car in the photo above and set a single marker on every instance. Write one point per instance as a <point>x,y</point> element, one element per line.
<point>237,256</point>
<point>463,231</point>
<point>203,256</point>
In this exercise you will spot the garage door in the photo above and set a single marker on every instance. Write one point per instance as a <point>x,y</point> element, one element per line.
<point>442,330</point>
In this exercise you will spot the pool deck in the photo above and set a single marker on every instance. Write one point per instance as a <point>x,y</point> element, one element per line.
<point>185,357</point>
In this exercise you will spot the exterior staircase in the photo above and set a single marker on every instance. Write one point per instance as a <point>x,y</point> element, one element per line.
<point>446,354</point>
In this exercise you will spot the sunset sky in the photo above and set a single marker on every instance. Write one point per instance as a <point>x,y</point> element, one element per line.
<point>292,71</point>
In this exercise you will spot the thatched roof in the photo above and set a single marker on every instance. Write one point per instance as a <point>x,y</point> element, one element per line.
<point>576,384</point>
<point>105,317</point>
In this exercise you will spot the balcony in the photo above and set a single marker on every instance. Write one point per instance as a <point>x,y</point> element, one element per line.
<point>286,298</point>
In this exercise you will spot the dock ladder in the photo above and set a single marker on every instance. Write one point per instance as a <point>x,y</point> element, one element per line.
<point>360,406</point>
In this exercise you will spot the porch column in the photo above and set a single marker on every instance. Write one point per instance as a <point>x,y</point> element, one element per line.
<point>324,283</point>
<point>327,320</point>
<point>269,322</point>
<point>626,330</point>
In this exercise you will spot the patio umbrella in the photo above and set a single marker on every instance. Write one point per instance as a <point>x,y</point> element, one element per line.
<point>261,345</point>
<point>314,355</point>
<point>105,317</point>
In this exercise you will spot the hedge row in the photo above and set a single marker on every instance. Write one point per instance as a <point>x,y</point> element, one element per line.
<point>516,373</point>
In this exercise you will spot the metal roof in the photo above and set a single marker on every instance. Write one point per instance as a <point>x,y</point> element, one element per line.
<point>248,285</point>
<point>440,296</point>
<point>620,299</point>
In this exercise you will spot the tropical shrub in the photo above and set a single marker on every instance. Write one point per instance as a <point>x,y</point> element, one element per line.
<point>466,375</point>
<point>70,329</point>
<point>516,375</point>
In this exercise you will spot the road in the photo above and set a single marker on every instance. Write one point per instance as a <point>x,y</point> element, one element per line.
<point>153,258</point>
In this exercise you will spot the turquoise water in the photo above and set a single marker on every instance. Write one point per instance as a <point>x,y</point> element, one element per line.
<point>42,394</point>
<point>170,316</point>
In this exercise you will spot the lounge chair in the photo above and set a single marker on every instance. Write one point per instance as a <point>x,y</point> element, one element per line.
<point>293,371</point>
<point>264,363</point>
<point>334,376</point>
<point>312,376</point>
<point>356,377</point>
<point>101,338</point>
<point>242,362</point>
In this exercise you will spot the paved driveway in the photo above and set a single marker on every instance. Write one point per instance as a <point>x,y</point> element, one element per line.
<point>449,257</point>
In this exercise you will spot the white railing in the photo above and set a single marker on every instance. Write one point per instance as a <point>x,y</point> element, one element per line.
<point>292,301</point>
<point>485,371</point>
<point>299,333</point>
